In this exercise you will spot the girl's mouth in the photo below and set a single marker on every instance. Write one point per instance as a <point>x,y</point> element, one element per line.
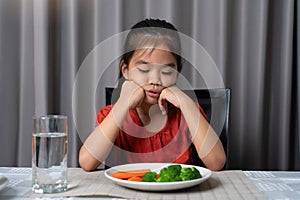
<point>153,93</point>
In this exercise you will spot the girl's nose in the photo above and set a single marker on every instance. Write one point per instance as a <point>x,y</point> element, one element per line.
<point>155,79</point>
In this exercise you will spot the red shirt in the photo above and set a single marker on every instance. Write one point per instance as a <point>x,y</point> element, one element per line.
<point>134,144</point>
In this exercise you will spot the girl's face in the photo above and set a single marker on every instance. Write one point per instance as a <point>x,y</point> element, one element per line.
<point>152,69</point>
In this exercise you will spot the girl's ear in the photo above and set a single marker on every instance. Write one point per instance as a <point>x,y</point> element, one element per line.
<point>124,69</point>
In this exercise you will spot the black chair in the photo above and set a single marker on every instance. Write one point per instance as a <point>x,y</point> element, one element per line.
<point>215,103</point>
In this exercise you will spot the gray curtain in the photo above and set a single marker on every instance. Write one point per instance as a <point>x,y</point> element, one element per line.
<point>254,44</point>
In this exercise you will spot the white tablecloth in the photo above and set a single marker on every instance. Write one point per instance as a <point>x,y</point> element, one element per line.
<point>222,185</point>
<point>277,184</point>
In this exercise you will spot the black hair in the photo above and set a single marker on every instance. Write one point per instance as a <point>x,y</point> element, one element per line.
<point>153,32</point>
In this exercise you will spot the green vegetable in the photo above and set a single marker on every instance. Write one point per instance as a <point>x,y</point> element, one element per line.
<point>189,173</point>
<point>149,177</point>
<point>172,173</point>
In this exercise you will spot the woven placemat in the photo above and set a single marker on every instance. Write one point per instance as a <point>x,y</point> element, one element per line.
<point>221,185</point>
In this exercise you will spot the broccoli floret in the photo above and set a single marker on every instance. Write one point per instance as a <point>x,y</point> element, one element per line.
<point>189,173</point>
<point>170,174</point>
<point>149,177</point>
<point>163,179</point>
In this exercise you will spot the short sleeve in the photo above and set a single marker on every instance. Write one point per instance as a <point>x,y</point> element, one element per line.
<point>103,112</point>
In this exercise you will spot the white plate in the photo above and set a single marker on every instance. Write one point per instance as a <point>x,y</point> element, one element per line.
<point>3,182</point>
<point>153,186</point>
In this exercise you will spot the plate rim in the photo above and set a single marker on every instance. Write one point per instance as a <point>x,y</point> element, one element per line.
<point>150,186</point>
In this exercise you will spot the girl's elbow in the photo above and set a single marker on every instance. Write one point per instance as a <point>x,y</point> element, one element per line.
<point>86,162</point>
<point>84,166</point>
<point>87,165</point>
<point>218,164</point>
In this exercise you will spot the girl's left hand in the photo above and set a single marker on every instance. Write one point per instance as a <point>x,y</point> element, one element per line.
<point>172,95</point>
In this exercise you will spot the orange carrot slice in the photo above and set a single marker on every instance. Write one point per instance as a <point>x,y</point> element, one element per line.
<point>130,173</point>
<point>136,178</point>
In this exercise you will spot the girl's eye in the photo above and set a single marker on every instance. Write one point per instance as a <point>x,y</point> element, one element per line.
<point>143,70</point>
<point>167,72</point>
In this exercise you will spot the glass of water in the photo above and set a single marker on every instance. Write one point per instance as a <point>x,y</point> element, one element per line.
<point>49,153</point>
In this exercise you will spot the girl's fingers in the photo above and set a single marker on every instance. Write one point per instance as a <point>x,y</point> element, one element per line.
<point>165,108</point>
<point>162,103</point>
<point>132,93</point>
<point>139,96</point>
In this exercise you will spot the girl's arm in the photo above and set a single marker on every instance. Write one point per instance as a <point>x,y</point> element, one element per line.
<point>206,141</point>
<point>99,143</point>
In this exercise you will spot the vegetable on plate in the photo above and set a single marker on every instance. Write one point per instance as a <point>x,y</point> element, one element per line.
<point>170,173</point>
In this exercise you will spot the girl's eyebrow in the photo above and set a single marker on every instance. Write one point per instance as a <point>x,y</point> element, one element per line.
<point>142,62</point>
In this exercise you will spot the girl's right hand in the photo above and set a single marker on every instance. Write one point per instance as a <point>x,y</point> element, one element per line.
<point>132,95</point>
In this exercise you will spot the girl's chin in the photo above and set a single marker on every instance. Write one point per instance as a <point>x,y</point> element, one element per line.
<point>151,100</point>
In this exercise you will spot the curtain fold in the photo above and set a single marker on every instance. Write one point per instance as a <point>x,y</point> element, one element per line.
<point>13,62</point>
<point>280,77</point>
<point>43,45</point>
<point>296,86</point>
<point>68,63</point>
<point>26,89</point>
<point>40,47</point>
<point>245,75</point>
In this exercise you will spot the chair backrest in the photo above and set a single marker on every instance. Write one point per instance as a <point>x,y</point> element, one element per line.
<point>215,103</point>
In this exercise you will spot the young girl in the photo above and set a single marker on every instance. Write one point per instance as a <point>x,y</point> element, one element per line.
<point>152,120</point>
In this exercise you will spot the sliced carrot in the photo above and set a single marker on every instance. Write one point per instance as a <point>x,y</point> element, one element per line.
<point>136,178</point>
<point>138,171</point>
<point>130,173</point>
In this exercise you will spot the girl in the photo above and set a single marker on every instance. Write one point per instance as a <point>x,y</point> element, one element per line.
<point>152,120</point>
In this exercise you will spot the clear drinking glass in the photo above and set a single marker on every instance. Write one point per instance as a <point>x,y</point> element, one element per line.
<point>49,153</point>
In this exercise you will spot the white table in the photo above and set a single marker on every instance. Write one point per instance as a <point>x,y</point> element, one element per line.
<point>225,185</point>
<point>277,184</point>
